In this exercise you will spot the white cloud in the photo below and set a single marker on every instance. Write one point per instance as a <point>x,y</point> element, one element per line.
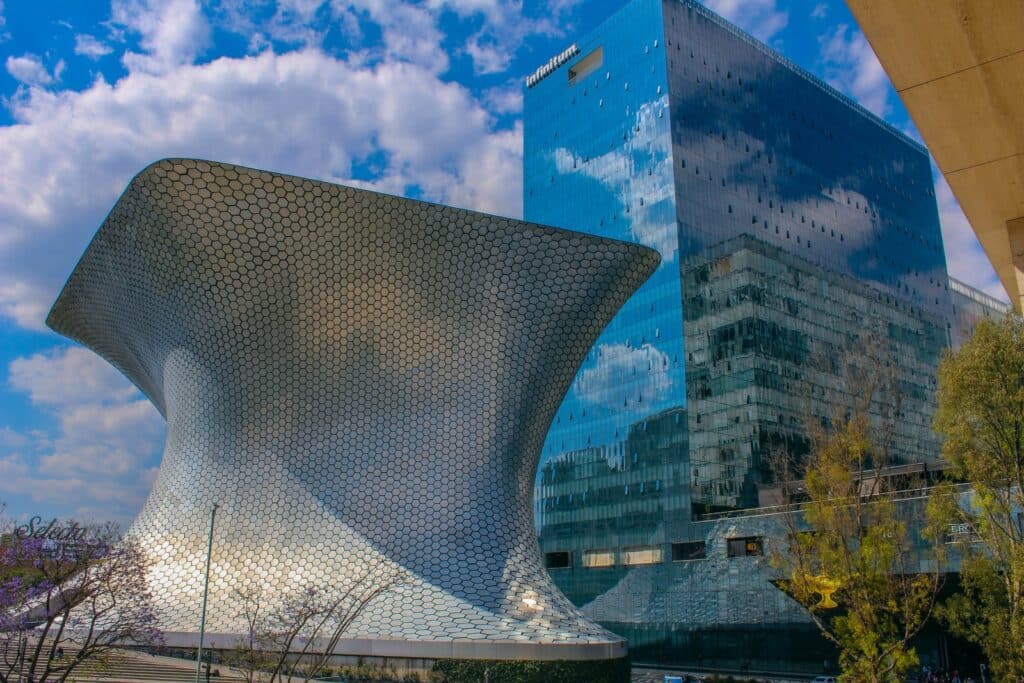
<point>408,32</point>
<point>557,9</point>
<point>103,451</point>
<point>67,377</point>
<point>503,27</point>
<point>12,439</point>
<point>90,46</point>
<point>489,56</point>
<point>493,30</point>
<point>965,258</point>
<point>496,171</point>
<point>29,69</point>
<point>762,19</point>
<point>24,302</point>
<point>603,382</point>
<point>4,35</point>
<point>96,420</point>
<point>171,32</point>
<point>295,22</point>
<point>71,153</point>
<point>507,99</point>
<point>89,498</point>
<point>851,66</point>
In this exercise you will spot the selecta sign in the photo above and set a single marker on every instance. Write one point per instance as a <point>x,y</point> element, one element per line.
<point>51,531</point>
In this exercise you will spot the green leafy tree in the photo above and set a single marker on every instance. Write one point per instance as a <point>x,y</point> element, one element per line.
<point>854,555</point>
<point>981,417</point>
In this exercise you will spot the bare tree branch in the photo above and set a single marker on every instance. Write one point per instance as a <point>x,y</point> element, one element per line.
<point>297,638</point>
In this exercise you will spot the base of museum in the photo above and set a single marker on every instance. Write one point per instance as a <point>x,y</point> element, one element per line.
<point>451,661</point>
<point>455,649</point>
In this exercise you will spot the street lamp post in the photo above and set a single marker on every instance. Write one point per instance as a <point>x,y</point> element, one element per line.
<point>206,588</point>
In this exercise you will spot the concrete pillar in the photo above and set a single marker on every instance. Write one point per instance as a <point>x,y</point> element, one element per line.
<point>1015,233</point>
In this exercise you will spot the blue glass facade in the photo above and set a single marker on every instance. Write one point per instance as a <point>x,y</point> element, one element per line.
<point>763,148</point>
<point>599,157</point>
<point>791,223</point>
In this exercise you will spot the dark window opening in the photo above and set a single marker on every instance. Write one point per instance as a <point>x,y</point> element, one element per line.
<point>558,560</point>
<point>691,550</point>
<point>745,547</point>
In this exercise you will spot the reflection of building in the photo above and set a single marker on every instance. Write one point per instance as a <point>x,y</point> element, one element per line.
<point>970,307</point>
<point>362,382</point>
<point>618,492</point>
<point>768,335</point>
<point>791,223</point>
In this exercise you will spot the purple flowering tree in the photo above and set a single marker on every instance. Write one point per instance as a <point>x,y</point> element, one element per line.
<point>65,602</point>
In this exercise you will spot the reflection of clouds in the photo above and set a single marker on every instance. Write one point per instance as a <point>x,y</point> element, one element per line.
<point>600,168</point>
<point>608,381</point>
<point>648,196</point>
<point>857,227</point>
<point>840,207</point>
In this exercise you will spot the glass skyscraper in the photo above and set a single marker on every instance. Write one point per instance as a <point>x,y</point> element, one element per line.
<point>794,226</point>
<point>970,307</point>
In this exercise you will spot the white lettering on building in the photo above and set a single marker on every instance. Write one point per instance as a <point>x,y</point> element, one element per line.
<point>545,70</point>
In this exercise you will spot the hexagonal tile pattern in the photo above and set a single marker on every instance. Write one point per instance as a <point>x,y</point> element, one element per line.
<point>358,380</point>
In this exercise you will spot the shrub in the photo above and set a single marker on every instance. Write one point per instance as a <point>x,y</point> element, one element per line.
<point>505,671</point>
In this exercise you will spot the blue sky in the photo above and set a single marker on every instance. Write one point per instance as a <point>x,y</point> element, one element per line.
<point>422,100</point>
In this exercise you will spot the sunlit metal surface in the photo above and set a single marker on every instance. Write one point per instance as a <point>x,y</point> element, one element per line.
<point>358,380</point>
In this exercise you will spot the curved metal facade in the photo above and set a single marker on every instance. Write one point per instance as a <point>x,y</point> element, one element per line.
<point>359,380</point>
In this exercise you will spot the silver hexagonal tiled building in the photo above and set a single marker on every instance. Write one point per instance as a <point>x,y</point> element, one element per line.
<point>357,379</point>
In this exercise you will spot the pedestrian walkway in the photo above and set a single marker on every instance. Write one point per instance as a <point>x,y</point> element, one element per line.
<point>126,666</point>
<point>133,667</point>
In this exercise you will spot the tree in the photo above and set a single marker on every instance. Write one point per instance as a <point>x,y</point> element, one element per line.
<point>249,657</point>
<point>71,599</point>
<point>849,555</point>
<point>297,638</point>
<point>981,417</point>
